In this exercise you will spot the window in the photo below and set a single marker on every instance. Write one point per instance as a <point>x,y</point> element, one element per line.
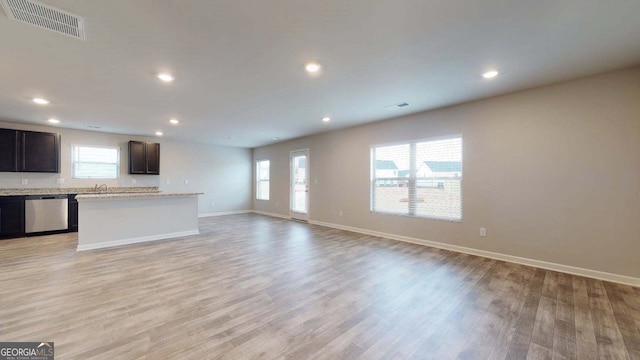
<point>262,180</point>
<point>421,179</point>
<point>89,162</point>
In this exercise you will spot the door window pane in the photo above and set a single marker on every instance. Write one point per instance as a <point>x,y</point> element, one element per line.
<point>299,184</point>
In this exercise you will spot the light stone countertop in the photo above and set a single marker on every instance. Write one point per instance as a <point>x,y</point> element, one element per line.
<point>124,196</point>
<point>88,190</point>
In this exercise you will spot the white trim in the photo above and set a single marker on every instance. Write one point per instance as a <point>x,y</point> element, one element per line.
<point>271,214</point>
<point>222,213</point>
<point>136,240</point>
<point>600,275</point>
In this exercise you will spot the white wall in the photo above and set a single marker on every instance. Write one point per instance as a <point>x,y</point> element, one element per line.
<point>553,174</point>
<point>222,173</point>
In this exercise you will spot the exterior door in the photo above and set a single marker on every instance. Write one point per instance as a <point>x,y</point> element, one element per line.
<point>300,185</point>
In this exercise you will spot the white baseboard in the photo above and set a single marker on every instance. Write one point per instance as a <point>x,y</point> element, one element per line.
<point>600,275</point>
<point>136,240</point>
<point>271,214</point>
<point>222,213</point>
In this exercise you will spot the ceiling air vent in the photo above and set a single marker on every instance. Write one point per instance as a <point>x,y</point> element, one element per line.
<point>397,106</point>
<point>45,16</point>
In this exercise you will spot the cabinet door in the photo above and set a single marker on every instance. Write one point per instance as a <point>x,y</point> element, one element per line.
<point>73,213</point>
<point>40,152</point>
<point>153,158</point>
<point>11,216</point>
<point>8,150</point>
<point>137,157</point>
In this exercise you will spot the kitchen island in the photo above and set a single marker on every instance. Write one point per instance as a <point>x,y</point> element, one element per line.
<point>116,219</point>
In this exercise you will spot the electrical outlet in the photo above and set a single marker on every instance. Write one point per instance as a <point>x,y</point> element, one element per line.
<point>213,204</point>
<point>25,181</point>
<point>186,182</point>
<point>483,232</point>
<point>276,204</point>
<point>340,213</point>
<point>168,181</point>
<point>133,181</point>
<point>59,181</point>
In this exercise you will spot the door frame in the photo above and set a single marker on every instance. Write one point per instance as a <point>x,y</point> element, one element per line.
<point>299,216</point>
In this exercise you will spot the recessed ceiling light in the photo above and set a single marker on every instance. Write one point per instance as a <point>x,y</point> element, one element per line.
<point>490,74</point>
<point>165,77</point>
<point>326,119</point>
<point>159,133</point>
<point>41,101</point>
<point>312,67</point>
<point>174,121</point>
<point>54,121</point>
<point>275,138</point>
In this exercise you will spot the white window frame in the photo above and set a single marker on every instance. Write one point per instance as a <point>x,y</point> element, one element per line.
<point>411,181</point>
<point>260,196</point>
<point>73,161</point>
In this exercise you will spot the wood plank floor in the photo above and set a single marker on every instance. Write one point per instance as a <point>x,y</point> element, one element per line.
<point>255,287</point>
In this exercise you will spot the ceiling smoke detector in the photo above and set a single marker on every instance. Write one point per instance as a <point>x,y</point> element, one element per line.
<point>45,17</point>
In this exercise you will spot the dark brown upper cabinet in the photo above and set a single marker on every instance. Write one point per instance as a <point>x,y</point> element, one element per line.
<point>137,157</point>
<point>153,158</point>
<point>8,150</point>
<point>29,151</point>
<point>40,152</point>
<point>144,158</point>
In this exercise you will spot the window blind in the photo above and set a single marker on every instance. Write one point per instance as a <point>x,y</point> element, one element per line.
<point>95,162</point>
<point>262,179</point>
<point>421,179</point>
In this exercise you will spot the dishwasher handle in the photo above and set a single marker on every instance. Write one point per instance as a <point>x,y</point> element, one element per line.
<point>45,197</point>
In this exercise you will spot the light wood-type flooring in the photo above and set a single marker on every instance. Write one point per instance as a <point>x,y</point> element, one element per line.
<point>255,287</point>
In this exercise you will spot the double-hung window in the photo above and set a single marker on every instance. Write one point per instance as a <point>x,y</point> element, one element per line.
<point>262,179</point>
<point>89,162</point>
<point>420,178</point>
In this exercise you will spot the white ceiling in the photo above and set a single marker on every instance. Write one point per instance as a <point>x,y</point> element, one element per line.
<point>239,64</point>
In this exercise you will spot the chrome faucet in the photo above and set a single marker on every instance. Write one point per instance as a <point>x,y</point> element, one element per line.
<point>99,188</point>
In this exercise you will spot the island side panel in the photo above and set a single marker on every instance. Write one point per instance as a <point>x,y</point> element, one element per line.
<point>114,222</point>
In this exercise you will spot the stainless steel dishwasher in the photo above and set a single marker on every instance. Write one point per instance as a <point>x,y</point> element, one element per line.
<point>45,213</point>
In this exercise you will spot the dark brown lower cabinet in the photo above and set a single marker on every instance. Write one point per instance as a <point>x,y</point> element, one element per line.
<point>11,216</point>
<point>73,213</point>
